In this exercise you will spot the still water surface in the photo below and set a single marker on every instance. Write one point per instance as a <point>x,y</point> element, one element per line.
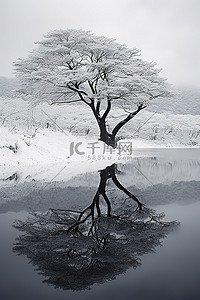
<point>168,181</point>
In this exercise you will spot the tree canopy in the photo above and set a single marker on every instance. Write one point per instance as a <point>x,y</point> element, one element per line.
<point>75,65</point>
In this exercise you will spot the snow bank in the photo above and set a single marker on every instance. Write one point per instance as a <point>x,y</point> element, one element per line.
<point>43,135</point>
<point>161,129</point>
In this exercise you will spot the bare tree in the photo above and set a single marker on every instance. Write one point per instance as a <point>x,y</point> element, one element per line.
<point>72,66</point>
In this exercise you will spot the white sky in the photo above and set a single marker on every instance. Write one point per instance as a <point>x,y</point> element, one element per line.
<point>167,31</point>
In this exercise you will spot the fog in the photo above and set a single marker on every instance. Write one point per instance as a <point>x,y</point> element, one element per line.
<point>167,31</point>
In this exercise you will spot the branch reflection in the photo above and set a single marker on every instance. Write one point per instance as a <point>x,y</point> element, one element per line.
<point>75,249</point>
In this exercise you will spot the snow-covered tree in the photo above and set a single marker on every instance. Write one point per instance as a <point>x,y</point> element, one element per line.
<point>75,65</point>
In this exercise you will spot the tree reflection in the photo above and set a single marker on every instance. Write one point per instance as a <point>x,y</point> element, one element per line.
<point>75,249</point>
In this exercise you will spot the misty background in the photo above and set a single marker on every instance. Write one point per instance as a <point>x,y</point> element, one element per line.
<point>166,31</point>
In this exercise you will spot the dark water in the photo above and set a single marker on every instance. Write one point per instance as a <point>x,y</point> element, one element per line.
<point>167,181</point>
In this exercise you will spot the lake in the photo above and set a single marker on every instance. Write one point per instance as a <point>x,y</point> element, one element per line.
<point>130,258</point>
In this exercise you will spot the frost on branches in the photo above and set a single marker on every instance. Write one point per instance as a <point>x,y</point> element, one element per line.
<point>76,66</point>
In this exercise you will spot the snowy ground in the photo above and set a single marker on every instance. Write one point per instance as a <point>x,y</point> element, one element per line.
<point>47,153</point>
<point>163,129</point>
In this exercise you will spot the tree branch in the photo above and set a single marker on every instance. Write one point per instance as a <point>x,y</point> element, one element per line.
<point>107,109</point>
<point>62,102</point>
<point>91,86</point>
<point>77,90</point>
<point>128,118</point>
<point>122,188</point>
<point>98,107</point>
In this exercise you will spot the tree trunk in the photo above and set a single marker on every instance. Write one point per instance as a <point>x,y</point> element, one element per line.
<point>110,138</point>
<point>105,136</point>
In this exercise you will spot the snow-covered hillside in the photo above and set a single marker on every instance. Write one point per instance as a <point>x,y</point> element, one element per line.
<point>7,86</point>
<point>184,101</point>
<point>158,129</point>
